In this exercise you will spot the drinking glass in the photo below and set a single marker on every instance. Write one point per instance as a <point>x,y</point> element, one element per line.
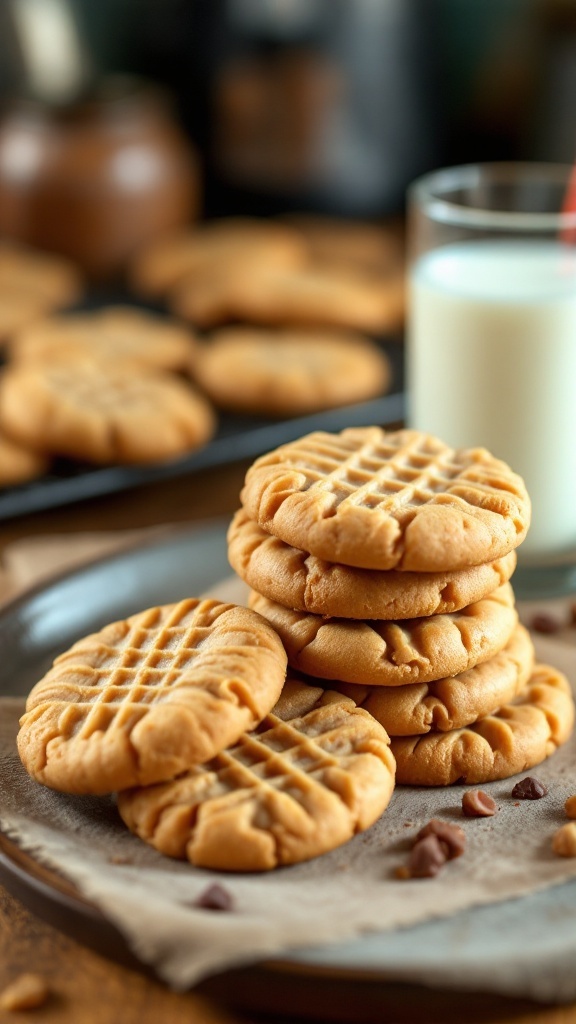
<point>491,348</point>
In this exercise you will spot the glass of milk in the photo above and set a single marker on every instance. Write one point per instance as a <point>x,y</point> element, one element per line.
<point>491,352</point>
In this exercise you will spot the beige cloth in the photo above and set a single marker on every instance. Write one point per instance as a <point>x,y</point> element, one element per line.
<point>335,897</point>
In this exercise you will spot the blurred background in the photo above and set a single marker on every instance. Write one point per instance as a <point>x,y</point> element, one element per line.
<point>324,105</point>
<point>135,133</point>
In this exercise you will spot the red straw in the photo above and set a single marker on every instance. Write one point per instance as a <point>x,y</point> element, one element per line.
<point>568,234</point>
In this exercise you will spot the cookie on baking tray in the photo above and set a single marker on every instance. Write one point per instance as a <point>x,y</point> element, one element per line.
<point>517,737</point>
<point>110,334</point>
<point>366,246</point>
<point>378,652</point>
<point>388,500</point>
<point>305,296</point>
<point>211,248</point>
<point>453,702</point>
<point>290,372</point>
<point>309,584</point>
<point>102,414</point>
<point>148,697</point>
<point>316,771</point>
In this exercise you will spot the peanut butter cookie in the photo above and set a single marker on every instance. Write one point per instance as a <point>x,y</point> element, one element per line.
<point>388,500</point>
<point>316,771</point>
<point>519,736</point>
<point>309,584</point>
<point>103,414</point>
<point>148,697</point>
<point>386,653</point>
<point>289,372</point>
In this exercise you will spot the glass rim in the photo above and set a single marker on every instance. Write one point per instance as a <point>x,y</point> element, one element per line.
<point>445,211</point>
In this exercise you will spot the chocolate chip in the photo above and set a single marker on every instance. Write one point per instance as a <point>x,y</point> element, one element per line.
<point>427,857</point>
<point>215,897</point>
<point>544,623</point>
<point>529,789</point>
<point>573,614</point>
<point>452,838</point>
<point>478,804</point>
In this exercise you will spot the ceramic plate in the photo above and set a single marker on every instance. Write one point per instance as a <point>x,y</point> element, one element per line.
<point>539,929</point>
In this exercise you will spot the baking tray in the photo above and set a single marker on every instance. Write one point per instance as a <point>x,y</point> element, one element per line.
<point>237,437</point>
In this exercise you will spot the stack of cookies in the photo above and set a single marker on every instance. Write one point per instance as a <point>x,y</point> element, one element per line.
<point>382,560</point>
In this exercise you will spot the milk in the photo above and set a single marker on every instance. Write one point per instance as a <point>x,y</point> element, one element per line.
<point>492,362</point>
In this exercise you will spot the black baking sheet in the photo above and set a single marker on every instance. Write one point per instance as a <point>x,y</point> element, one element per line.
<point>237,437</point>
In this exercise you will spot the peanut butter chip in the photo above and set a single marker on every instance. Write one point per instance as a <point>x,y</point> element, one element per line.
<point>529,789</point>
<point>427,857</point>
<point>564,840</point>
<point>451,837</point>
<point>26,992</point>
<point>570,806</point>
<point>477,804</point>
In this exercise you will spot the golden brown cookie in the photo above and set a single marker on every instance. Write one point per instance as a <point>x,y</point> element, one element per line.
<point>18,465</point>
<point>309,584</point>
<point>89,412</point>
<point>519,736</point>
<point>290,373</point>
<point>305,296</point>
<point>150,696</point>
<point>316,771</point>
<point>388,500</point>
<point>50,279</point>
<point>109,334</point>
<point>450,703</point>
<point>363,245</point>
<point>386,653</point>
<point>214,248</point>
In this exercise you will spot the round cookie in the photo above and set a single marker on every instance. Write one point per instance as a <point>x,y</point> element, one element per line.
<point>18,310</point>
<point>290,373</point>
<point>150,696</point>
<point>388,500</point>
<point>450,703</point>
<point>361,245</point>
<point>109,334</point>
<point>116,414</point>
<point>299,296</point>
<point>309,584</point>
<point>209,247</point>
<point>519,736</point>
<point>316,771</point>
<point>386,653</point>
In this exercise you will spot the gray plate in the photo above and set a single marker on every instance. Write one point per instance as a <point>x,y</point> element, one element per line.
<point>535,936</point>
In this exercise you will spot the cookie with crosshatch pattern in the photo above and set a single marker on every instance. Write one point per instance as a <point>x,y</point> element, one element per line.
<point>520,735</point>
<point>315,771</point>
<point>103,413</point>
<point>149,696</point>
<point>388,500</point>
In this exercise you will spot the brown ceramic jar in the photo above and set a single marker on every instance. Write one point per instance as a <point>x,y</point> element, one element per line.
<point>96,180</point>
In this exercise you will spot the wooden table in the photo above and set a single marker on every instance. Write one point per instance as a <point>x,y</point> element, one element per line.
<point>86,988</point>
